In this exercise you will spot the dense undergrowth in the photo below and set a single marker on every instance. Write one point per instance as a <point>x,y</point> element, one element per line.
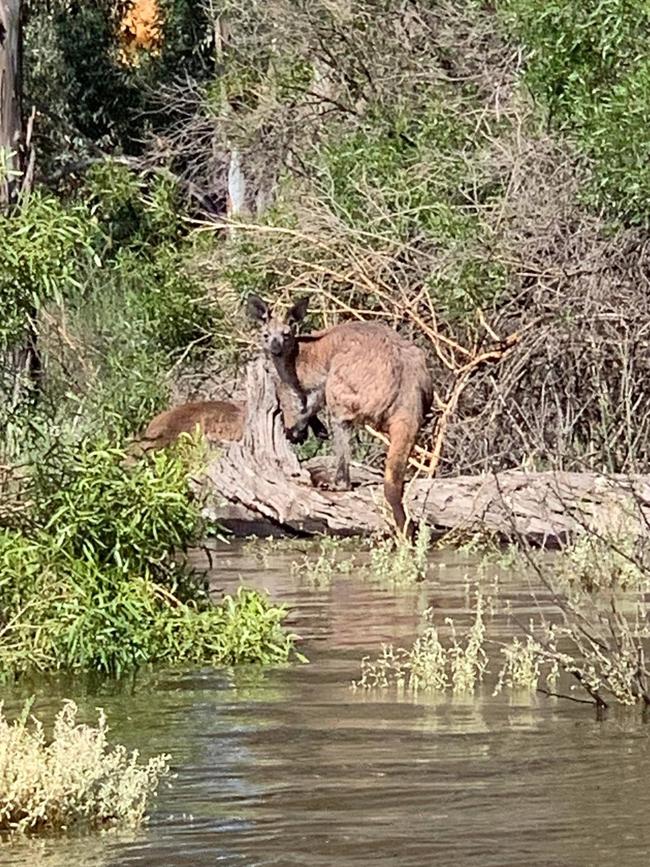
<point>467,171</point>
<point>446,167</point>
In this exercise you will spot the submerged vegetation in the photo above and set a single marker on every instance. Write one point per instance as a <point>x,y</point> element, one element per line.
<point>401,560</point>
<point>591,649</point>
<point>429,664</point>
<point>75,779</point>
<point>397,561</point>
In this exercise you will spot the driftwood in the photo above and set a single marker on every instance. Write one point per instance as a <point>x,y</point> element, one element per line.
<point>258,486</point>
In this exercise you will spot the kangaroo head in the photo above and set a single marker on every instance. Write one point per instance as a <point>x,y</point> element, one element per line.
<point>279,333</point>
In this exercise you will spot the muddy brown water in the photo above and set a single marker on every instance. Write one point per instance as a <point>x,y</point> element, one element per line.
<point>292,767</point>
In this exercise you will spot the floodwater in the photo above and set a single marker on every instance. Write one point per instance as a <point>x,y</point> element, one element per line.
<point>293,767</point>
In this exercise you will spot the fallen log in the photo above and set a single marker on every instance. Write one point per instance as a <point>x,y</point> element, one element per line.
<point>259,487</point>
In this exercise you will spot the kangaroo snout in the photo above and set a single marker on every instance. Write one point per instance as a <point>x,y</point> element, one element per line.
<point>276,346</point>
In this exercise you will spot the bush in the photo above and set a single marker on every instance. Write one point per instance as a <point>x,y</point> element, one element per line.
<point>43,244</point>
<point>131,211</point>
<point>587,62</point>
<point>400,171</point>
<point>101,277</point>
<point>77,779</point>
<point>92,579</point>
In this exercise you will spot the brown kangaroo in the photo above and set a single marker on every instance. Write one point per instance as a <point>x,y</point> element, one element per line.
<point>219,421</point>
<point>364,373</point>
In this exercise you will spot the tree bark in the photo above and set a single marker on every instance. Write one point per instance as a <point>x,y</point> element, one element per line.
<point>11,125</point>
<point>22,361</point>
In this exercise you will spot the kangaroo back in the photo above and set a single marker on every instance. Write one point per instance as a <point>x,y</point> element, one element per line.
<point>218,421</point>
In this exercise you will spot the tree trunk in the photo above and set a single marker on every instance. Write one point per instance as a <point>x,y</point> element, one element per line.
<point>11,126</point>
<point>22,361</point>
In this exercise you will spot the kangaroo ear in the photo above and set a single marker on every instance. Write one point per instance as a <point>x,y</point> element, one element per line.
<point>299,310</point>
<point>257,309</point>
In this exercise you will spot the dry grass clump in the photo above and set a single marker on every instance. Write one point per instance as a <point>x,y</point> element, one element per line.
<point>77,778</point>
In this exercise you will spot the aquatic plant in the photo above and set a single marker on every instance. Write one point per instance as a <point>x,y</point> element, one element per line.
<point>319,571</point>
<point>429,664</point>
<point>399,560</point>
<point>77,778</point>
<point>522,667</point>
<point>593,649</point>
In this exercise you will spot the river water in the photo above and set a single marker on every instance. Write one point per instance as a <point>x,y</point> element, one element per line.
<point>293,767</point>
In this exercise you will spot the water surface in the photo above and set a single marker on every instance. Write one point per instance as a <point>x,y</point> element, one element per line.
<point>293,767</point>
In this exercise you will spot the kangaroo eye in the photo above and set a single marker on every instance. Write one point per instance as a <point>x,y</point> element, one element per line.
<point>265,334</point>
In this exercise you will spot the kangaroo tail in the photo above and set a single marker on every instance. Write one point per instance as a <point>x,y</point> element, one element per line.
<point>402,433</point>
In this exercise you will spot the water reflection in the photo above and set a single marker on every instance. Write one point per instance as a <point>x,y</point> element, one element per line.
<point>294,767</point>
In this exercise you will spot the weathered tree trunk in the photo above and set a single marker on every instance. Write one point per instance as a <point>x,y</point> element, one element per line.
<point>259,486</point>
<point>21,362</point>
<point>11,126</point>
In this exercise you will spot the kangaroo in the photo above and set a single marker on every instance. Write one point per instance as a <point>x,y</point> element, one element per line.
<point>364,373</point>
<point>219,421</point>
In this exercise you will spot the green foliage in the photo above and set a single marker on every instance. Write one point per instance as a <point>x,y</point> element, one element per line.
<point>400,170</point>
<point>103,274</point>
<point>43,244</point>
<point>131,212</point>
<point>80,492</point>
<point>401,560</point>
<point>93,579</point>
<point>332,560</point>
<point>86,97</point>
<point>429,663</point>
<point>579,49</point>
<point>468,284</point>
<point>588,63</point>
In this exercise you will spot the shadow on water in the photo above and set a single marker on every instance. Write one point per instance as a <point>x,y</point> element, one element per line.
<point>293,767</point>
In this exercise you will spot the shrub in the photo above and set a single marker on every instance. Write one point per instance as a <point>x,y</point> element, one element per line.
<point>400,170</point>
<point>132,212</point>
<point>92,579</point>
<point>76,779</point>
<point>43,244</point>
<point>102,277</point>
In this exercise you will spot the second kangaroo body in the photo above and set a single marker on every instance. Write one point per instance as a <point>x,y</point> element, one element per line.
<point>364,373</point>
